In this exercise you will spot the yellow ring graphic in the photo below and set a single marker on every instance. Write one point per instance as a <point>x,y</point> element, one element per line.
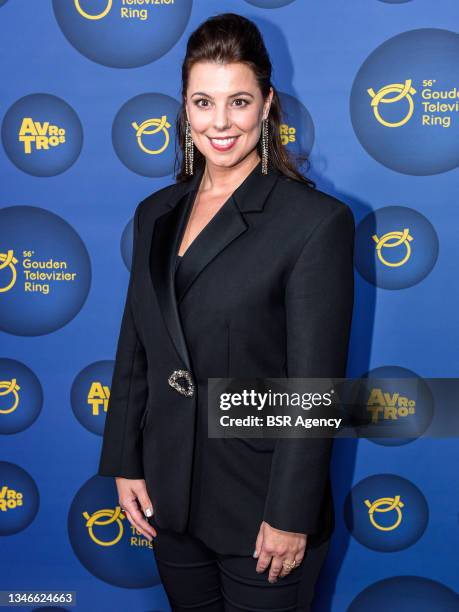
<point>5,261</point>
<point>7,387</point>
<point>403,90</point>
<point>398,238</point>
<point>161,124</point>
<point>385,504</point>
<point>97,519</point>
<point>93,17</point>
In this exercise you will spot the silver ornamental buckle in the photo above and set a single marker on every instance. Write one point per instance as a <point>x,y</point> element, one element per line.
<point>172,380</point>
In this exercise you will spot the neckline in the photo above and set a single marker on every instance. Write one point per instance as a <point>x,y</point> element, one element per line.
<point>191,202</point>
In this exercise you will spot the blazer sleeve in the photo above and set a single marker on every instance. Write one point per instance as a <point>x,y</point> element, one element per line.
<point>319,301</point>
<point>121,453</point>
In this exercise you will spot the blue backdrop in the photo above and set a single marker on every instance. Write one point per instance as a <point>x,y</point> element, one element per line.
<point>90,91</point>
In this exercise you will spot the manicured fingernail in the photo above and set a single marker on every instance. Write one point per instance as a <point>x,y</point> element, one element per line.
<point>148,512</point>
<point>255,553</point>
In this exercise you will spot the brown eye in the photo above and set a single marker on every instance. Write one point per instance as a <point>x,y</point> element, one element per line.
<point>241,100</point>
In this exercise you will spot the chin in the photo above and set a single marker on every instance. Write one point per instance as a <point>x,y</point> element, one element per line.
<point>217,160</point>
<point>228,160</point>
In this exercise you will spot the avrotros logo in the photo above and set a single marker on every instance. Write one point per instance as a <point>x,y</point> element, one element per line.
<point>407,593</point>
<point>296,128</point>
<point>104,540</point>
<point>398,400</point>
<point>45,271</point>
<point>396,247</point>
<point>42,135</point>
<point>90,395</point>
<point>19,499</point>
<point>386,512</point>
<point>21,396</point>
<point>143,134</point>
<point>405,102</point>
<point>123,33</point>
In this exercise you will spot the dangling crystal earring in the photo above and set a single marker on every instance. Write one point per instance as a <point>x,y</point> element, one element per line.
<point>189,148</point>
<point>264,146</point>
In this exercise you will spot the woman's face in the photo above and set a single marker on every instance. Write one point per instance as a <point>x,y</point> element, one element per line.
<point>224,101</point>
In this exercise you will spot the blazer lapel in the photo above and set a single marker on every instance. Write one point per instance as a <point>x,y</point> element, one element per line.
<point>226,225</point>
<point>164,245</point>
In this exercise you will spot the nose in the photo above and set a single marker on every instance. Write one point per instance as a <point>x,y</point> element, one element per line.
<point>221,117</point>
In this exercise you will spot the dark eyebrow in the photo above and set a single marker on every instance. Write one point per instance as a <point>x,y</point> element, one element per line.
<point>239,93</point>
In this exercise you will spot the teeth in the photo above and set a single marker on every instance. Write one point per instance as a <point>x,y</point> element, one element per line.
<point>223,141</point>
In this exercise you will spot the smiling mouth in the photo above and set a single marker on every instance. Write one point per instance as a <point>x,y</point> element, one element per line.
<point>223,144</point>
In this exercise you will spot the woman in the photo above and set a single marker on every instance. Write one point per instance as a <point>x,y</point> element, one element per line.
<point>240,269</point>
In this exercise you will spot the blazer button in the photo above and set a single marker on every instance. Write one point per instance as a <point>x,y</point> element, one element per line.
<point>177,374</point>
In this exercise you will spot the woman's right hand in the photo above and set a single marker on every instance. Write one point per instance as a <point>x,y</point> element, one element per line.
<point>134,501</point>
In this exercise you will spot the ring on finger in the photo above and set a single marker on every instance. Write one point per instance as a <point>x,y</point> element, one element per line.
<point>289,566</point>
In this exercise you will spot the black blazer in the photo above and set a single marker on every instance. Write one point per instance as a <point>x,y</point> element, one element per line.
<point>265,290</point>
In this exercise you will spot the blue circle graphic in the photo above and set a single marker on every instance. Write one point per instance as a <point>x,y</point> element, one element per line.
<point>50,609</point>
<point>21,396</point>
<point>385,512</point>
<point>143,134</point>
<point>406,594</point>
<point>404,102</point>
<point>90,394</point>
<point>42,135</point>
<point>395,247</point>
<point>122,34</point>
<point>45,271</point>
<point>20,499</point>
<point>104,540</point>
<point>269,4</point>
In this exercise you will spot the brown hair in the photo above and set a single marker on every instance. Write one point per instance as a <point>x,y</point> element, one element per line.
<point>226,38</point>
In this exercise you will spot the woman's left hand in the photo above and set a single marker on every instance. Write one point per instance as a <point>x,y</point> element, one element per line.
<point>276,547</point>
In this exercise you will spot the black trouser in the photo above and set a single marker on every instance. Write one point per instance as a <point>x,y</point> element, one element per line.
<point>197,578</point>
